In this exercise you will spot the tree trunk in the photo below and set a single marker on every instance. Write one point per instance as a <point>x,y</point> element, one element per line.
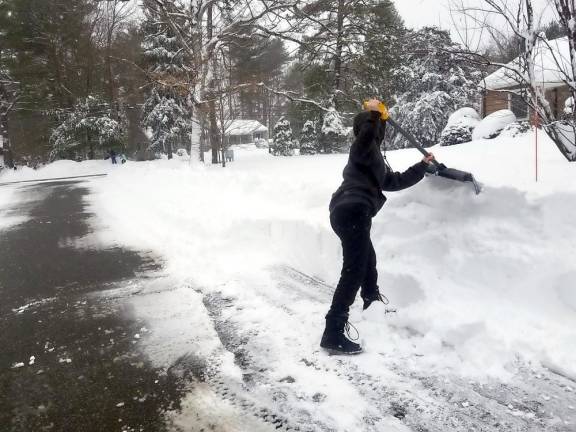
<point>214,141</point>
<point>7,151</point>
<point>339,48</point>
<point>169,149</point>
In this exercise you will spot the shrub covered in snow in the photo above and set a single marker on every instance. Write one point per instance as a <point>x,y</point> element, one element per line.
<point>516,129</point>
<point>333,136</point>
<point>282,144</point>
<point>492,125</point>
<point>308,138</point>
<point>455,134</point>
<point>460,126</point>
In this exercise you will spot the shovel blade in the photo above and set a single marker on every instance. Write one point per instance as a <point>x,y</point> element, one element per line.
<point>463,176</point>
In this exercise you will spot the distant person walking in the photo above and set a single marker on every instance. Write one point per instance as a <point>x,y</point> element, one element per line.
<point>113,155</point>
<point>352,208</point>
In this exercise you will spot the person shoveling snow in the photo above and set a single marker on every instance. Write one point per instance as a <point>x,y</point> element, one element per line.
<point>352,208</point>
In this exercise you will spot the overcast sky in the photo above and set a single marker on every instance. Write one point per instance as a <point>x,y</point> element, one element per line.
<point>419,13</point>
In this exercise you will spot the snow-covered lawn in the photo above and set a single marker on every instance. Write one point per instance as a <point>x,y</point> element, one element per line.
<point>482,284</point>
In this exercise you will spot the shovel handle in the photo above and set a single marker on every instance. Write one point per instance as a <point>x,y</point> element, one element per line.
<point>412,141</point>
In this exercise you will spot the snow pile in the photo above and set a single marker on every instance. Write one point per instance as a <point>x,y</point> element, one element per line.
<point>464,116</point>
<point>479,281</point>
<point>58,169</point>
<point>492,125</point>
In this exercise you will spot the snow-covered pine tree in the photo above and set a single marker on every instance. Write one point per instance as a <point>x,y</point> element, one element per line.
<point>333,136</point>
<point>86,131</point>
<point>432,83</point>
<point>166,110</point>
<point>308,138</point>
<point>282,143</point>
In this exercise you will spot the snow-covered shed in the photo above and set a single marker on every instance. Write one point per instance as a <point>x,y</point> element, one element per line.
<point>503,89</point>
<point>245,131</point>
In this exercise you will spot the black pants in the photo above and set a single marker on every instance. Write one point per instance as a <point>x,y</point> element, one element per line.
<point>352,224</point>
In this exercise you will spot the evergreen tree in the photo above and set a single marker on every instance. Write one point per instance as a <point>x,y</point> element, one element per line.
<point>381,53</point>
<point>308,139</point>
<point>46,44</point>
<point>86,131</point>
<point>282,142</point>
<point>333,136</point>
<point>354,44</point>
<point>166,109</point>
<point>432,83</point>
<point>258,61</point>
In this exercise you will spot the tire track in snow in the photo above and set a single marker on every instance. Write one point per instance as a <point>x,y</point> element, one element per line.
<point>523,405</point>
<point>244,394</point>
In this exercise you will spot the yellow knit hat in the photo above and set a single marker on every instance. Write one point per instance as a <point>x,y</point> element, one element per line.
<point>381,109</point>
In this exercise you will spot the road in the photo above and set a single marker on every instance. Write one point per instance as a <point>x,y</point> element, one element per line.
<point>69,360</point>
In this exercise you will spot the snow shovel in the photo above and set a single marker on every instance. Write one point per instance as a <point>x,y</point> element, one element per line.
<point>440,169</point>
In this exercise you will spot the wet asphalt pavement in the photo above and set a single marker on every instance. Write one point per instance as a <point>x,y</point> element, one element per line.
<point>69,360</point>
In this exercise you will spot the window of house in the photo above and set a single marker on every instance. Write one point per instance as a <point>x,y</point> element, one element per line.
<point>518,105</point>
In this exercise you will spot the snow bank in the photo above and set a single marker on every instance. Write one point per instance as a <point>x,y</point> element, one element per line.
<point>492,125</point>
<point>464,116</point>
<point>479,281</point>
<point>61,168</point>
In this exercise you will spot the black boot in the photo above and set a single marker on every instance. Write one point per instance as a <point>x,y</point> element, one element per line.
<point>334,341</point>
<point>372,297</point>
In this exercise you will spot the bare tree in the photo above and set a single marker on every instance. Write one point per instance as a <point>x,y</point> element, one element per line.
<point>112,16</point>
<point>519,19</point>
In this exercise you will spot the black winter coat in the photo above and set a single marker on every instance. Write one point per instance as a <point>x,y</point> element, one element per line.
<point>366,175</point>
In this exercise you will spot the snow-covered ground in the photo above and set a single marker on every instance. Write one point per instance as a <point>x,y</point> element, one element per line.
<point>484,286</point>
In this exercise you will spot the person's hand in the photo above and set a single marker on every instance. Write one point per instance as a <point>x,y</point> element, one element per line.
<point>428,159</point>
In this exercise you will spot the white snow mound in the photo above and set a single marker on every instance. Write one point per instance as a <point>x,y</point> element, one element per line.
<point>464,116</point>
<point>492,125</point>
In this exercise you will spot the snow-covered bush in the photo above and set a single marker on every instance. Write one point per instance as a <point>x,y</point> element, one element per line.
<point>516,129</point>
<point>283,142</point>
<point>492,125</point>
<point>333,136</point>
<point>460,126</point>
<point>455,134</point>
<point>308,138</point>
<point>261,143</point>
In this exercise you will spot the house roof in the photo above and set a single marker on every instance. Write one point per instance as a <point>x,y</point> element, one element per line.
<point>551,58</point>
<point>245,127</point>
